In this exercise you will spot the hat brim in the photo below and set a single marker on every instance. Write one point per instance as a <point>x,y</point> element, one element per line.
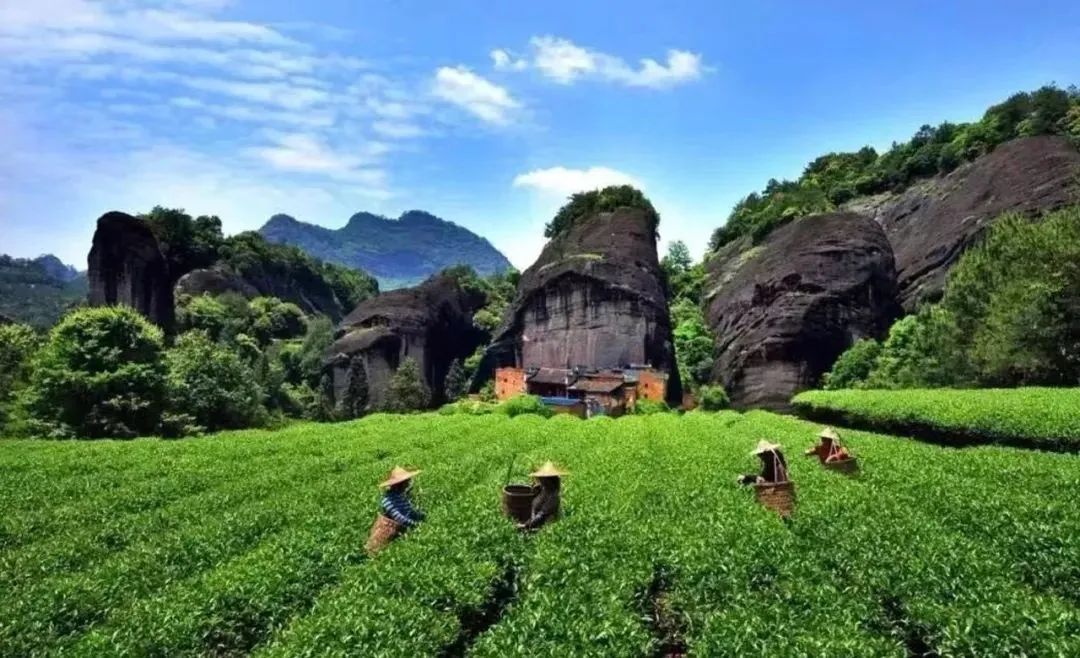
<point>762,449</point>
<point>404,477</point>
<point>548,473</point>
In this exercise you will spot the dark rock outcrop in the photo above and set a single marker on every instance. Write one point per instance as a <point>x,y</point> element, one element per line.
<point>214,281</point>
<point>126,267</point>
<point>594,298</point>
<point>932,223</point>
<point>431,323</point>
<point>784,310</point>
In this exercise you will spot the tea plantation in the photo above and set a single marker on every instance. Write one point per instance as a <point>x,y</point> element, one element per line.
<point>250,543</point>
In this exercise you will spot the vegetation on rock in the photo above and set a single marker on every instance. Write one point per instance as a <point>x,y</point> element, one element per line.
<point>585,204</point>
<point>1010,316</point>
<point>836,178</point>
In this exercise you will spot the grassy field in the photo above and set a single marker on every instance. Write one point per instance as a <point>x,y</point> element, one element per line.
<point>250,544</point>
<point>1047,418</point>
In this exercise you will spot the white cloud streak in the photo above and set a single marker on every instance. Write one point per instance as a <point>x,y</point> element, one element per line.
<point>565,62</point>
<point>476,95</point>
<point>562,181</point>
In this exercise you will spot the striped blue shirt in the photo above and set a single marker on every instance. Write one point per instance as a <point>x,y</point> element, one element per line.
<point>398,507</point>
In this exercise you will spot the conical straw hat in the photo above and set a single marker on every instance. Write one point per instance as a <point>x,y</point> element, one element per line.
<point>397,476</point>
<point>548,470</point>
<point>829,433</point>
<point>764,446</point>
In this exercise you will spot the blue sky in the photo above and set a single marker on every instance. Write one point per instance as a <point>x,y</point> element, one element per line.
<point>484,113</point>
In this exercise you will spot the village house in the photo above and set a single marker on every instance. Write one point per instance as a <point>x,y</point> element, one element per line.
<point>582,391</point>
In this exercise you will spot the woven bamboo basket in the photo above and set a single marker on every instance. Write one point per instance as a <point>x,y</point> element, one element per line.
<point>778,496</point>
<point>382,533</point>
<point>848,466</point>
<point>517,501</point>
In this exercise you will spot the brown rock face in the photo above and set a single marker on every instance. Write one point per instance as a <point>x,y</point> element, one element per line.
<point>931,224</point>
<point>214,281</point>
<point>431,323</point>
<point>594,298</point>
<point>783,311</point>
<point>126,267</point>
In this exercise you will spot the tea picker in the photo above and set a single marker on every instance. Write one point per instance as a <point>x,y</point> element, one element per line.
<point>546,502</point>
<point>772,488</point>
<point>773,465</point>
<point>832,454</point>
<point>397,512</point>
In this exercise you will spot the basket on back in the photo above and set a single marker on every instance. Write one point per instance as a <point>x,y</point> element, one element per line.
<point>517,501</point>
<point>777,496</point>
<point>778,492</point>
<point>382,533</point>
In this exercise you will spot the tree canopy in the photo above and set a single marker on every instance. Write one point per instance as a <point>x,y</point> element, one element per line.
<point>584,204</point>
<point>835,178</point>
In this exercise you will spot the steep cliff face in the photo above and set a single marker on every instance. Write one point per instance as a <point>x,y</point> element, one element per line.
<point>126,267</point>
<point>784,310</point>
<point>431,323</point>
<point>931,224</point>
<point>594,298</point>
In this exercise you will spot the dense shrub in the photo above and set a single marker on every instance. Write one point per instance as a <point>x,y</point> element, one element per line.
<point>100,374</point>
<point>1010,316</point>
<point>524,404</point>
<point>209,382</point>
<point>585,204</point>
<point>854,366</point>
<point>408,392</point>
<point>650,407</point>
<point>456,384</point>
<point>354,398</point>
<point>713,398</point>
<point>467,407</point>
<point>18,344</point>
<point>272,318</point>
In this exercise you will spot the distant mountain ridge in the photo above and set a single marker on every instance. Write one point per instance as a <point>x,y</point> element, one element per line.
<point>398,252</point>
<point>39,291</point>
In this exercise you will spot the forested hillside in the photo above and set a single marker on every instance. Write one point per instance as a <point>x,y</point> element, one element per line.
<point>398,252</point>
<point>39,291</point>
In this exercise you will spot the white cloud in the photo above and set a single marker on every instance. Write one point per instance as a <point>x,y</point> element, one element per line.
<point>504,60</point>
<point>304,153</point>
<point>563,182</point>
<point>565,62</point>
<point>484,99</point>
<point>398,129</point>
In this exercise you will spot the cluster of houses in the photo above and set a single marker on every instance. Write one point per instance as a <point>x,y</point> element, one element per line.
<point>582,391</point>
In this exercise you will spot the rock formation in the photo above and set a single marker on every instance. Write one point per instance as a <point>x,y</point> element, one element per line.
<point>431,323</point>
<point>126,267</point>
<point>214,281</point>
<point>784,310</point>
<point>594,298</point>
<point>932,223</point>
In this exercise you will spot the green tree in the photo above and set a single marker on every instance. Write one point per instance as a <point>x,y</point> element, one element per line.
<point>854,366</point>
<point>693,344</point>
<point>456,384</point>
<point>206,313</point>
<point>210,383</point>
<point>100,374</point>
<point>187,243</point>
<point>408,392</point>
<point>18,344</point>
<point>713,398</point>
<point>272,318</point>
<point>677,260</point>
<point>585,204</point>
<point>354,399</point>
<point>317,340</point>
